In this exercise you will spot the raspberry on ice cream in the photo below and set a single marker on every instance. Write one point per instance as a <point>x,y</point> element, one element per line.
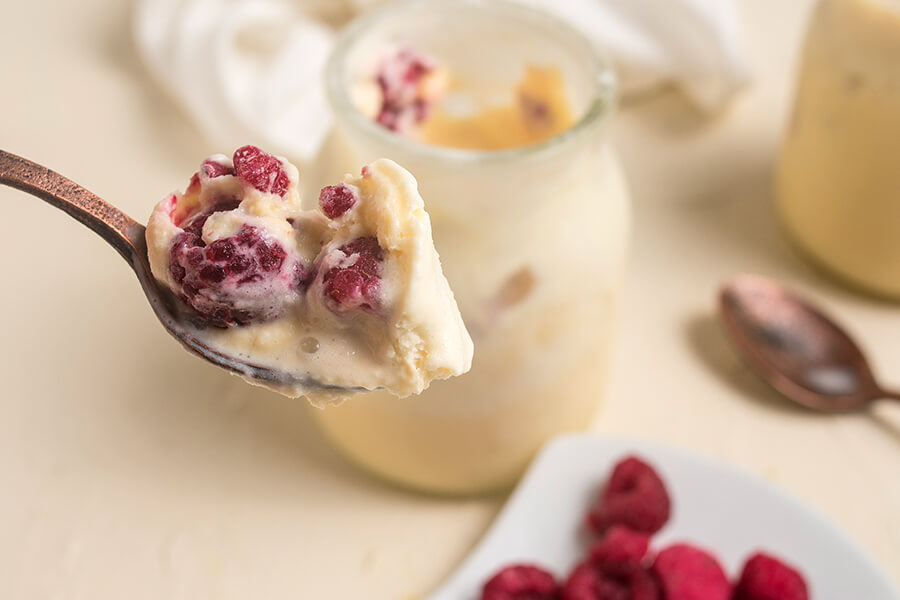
<point>261,170</point>
<point>236,280</point>
<point>211,169</point>
<point>635,496</point>
<point>355,282</point>
<point>350,295</point>
<point>250,276</point>
<point>335,200</point>
<point>409,82</point>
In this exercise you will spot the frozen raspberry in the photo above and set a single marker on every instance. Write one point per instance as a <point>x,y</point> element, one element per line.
<point>355,283</point>
<point>335,200</point>
<point>765,577</point>
<point>367,246</point>
<point>635,497</point>
<point>236,280</point>
<point>625,581</point>
<point>520,582</point>
<point>688,573</point>
<point>620,545</point>
<point>261,170</point>
<point>400,79</point>
<point>212,169</point>
<point>194,223</point>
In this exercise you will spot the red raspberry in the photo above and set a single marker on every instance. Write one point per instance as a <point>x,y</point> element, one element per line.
<point>688,573</point>
<point>367,246</point>
<point>635,497</point>
<point>212,169</point>
<point>389,117</point>
<point>261,170</point>
<point>236,280</point>
<point>335,200</point>
<point>520,582</point>
<point>356,282</point>
<point>620,545</point>
<point>399,78</point>
<point>765,577</point>
<point>625,581</point>
<point>194,223</point>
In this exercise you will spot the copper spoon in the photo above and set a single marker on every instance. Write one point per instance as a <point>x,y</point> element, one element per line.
<point>796,348</point>
<point>127,236</point>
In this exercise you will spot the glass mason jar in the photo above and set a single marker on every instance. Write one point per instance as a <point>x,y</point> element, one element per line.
<point>838,179</point>
<point>532,240</point>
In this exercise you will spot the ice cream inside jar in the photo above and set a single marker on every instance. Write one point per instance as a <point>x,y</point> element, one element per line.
<point>503,124</point>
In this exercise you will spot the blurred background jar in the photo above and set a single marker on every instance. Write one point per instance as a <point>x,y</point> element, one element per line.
<point>532,239</point>
<point>839,175</point>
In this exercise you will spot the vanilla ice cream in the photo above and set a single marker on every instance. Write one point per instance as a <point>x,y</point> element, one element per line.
<point>351,294</point>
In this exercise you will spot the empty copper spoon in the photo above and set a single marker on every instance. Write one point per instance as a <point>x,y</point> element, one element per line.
<point>796,348</point>
<point>127,236</point>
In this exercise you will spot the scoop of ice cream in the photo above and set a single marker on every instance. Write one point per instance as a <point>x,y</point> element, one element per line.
<point>351,294</point>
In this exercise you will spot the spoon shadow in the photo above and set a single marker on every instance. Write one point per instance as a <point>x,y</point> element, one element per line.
<point>205,425</point>
<point>707,339</point>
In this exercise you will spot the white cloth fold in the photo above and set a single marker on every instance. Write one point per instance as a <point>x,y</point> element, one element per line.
<point>251,70</point>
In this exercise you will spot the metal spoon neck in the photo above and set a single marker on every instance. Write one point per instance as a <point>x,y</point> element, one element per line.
<point>889,394</point>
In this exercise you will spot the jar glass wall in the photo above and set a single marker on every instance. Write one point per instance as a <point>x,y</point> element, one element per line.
<point>531,239</point>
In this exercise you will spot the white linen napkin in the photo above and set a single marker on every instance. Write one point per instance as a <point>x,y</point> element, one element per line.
<point>250,70</point>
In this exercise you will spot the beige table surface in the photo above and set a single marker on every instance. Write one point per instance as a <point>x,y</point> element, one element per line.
<point>130,470</point>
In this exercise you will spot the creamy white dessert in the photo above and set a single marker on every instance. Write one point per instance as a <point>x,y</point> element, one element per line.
<point>838,181</point>
<point>351,294</point>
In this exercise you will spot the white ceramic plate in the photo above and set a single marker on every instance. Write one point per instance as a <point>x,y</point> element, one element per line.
<point>714,506</point>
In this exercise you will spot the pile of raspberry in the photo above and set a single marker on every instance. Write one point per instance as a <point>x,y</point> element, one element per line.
<point>620,564</point>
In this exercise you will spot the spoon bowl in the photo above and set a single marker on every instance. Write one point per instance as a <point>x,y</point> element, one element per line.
<point>796,348</point>
<point>127,236</point>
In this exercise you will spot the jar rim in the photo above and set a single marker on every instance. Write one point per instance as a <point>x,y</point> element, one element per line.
<point>601,106</point>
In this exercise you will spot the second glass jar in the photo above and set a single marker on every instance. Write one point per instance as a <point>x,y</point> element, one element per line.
<point>838,181</point>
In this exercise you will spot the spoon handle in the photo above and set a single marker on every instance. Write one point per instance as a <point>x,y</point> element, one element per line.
<point>889,395</point>
<point>121,231</point>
